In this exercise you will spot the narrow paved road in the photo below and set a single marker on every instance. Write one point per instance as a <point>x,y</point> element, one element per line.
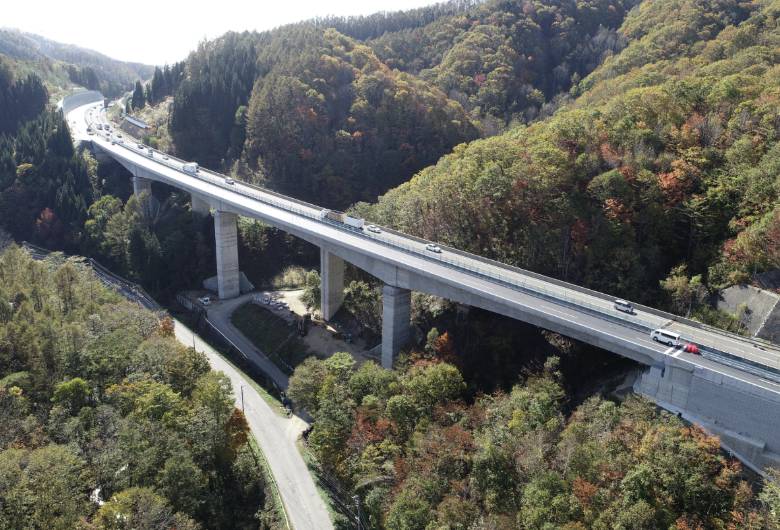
<point>276,436</point>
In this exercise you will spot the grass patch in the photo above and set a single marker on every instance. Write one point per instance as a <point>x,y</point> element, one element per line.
<point>272,335</point>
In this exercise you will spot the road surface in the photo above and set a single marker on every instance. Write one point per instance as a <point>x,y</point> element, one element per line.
<point>277,438</point>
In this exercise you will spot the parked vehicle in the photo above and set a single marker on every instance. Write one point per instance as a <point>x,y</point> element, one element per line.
<point>665,337</point>
<point>433,248</point>
<point>624,306</point>
<point>341,217</point>
<point>190,167</point>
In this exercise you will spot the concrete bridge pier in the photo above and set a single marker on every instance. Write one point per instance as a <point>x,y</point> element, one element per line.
<point>226,234</point>
<point>141,184</point>
<point>200,206</point>
<point>331,283</point>
<point>396,327</point>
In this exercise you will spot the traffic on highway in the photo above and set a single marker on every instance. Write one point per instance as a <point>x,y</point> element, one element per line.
<point>666,333</point>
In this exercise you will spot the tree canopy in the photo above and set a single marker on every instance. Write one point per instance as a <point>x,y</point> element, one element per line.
<point>100,404</point>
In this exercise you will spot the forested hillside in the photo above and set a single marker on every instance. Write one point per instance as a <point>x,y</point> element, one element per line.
<point>505,59</point>
<point>317,104</point>
<point>45,187</point>
<point>21,99</point>
<point>421,457</point>
<point>59,63</point>
<point>668,159</point>
<point>340,110</point>
<point>107,422</point>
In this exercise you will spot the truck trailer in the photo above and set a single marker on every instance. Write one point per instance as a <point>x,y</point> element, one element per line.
<point>341,217</point>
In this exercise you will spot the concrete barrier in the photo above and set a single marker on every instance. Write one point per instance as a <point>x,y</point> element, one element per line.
<point>77,99</point>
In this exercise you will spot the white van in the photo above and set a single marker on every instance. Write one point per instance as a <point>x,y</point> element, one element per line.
<point>624,306</point>
<point>665,337</point>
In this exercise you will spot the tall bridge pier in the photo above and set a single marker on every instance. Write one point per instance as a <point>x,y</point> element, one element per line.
<point>141,185</point>
<point>226,234</point>
<point>331,283</point>
<point>396,317</point>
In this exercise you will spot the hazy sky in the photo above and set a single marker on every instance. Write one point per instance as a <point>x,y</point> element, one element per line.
<point>156,32</point>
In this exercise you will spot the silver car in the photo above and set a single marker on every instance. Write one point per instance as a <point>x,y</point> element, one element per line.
<point>433,248</point>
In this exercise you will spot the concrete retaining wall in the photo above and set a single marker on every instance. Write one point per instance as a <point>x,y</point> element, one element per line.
<point>745,417</point>
<point>760,303</point>
<point>77,99</point>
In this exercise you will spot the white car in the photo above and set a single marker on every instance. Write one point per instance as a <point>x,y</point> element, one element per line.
<point>229,180</point>
<point>433,248</point>
<point>374,228</point>
<point>165,157</point>
<point>205,300</point>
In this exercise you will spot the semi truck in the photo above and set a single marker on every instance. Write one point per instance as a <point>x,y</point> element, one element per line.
<point>190,167</point>
<point>341,217</point>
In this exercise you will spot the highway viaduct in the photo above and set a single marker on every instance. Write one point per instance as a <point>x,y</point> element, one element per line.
<point>731,390</point>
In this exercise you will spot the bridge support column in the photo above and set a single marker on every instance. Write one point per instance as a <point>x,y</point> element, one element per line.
<point>141,184</point>
<point>331,284</point>
<point>396,316</point>
<point>200,206</point>
<point>226,235</point>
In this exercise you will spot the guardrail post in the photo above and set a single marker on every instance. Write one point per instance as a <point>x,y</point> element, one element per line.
<point>396,316</point>
<point>226,235</point>
<point>331,283</point>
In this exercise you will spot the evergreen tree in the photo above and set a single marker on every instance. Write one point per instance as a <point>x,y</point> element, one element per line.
<point>139,98</point>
